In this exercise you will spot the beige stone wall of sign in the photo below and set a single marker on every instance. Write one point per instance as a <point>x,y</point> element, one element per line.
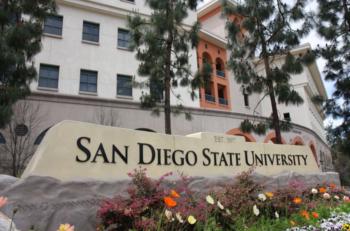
<point>75,150</point>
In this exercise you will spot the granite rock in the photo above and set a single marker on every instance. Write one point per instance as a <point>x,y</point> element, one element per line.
<point>47,202</point>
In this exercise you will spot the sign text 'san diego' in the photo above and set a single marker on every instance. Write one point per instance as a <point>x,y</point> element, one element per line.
<point>76,150</point>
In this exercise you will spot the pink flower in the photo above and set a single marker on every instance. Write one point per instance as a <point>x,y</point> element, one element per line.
<point>3,201</point>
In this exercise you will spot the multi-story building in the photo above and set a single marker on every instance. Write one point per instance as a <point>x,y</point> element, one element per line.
<point>86,72</point>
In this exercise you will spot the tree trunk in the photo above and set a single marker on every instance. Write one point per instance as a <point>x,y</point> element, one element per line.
<point>275,119</point>
<point>346,13</point>
<point>167,79</point>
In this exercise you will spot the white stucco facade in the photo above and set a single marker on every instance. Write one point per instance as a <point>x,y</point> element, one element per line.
<point>72,54</point>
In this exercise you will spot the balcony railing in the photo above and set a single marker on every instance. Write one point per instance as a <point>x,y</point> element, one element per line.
<point>223,101</point>
<point>220,73</point>
<point>209,98</point>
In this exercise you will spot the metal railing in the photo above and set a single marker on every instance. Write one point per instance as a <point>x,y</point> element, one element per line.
<point>223,101</point>
<point>209,98</point>
<point>220,73</point>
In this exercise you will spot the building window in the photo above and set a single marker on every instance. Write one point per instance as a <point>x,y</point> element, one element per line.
<point>91,32</point>
<point>222,95</point>
<point>123,38</point>
<point>88,81</point>
<point>2,139</point>
<point>156,89</point>
<point>286,116</point>
<point>53,25</point>
<point>246,97</point>
<point>48,76</point>
<point>209,90</point>
<point>124,85</point>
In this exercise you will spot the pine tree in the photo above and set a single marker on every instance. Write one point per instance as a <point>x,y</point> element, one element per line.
<point>333,24</point>
<point>21,23</point>
<point>264,33</point>
<point>162,42</point>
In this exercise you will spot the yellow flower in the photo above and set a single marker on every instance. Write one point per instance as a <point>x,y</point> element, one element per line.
<point>269,194</point>
<point>293,223</point>
<point>66,227</point>
<point>345,227</point>
<point>210,200</point>
<point>191,219</point>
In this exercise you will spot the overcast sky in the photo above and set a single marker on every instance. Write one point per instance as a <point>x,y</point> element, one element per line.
<point>314,39</point>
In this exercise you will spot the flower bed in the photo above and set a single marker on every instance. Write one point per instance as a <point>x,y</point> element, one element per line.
<point>244,205</point>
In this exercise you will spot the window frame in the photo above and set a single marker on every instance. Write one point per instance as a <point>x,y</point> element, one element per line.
<point>123,87</point>
<point>119,40</point>
<point>84,34</point>
<point>87,82</point>
<point>48,78</point>
<point>59,28</point>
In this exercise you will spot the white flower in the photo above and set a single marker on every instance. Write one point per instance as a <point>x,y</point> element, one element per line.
<point>210,200</point>
<point>220,205</point>
<point>326,196</point>
<point>314,191</point>
<point>277,215</point>
<point>256,211</point>
<point>336,197</point>
<point>262,197</point>
<point>179,218</point>
<point>228,212</point>
<point>168,214</point>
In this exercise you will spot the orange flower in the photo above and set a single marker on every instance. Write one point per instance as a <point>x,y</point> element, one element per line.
<point>315,215</point>
<point>332,186</point>
<point>297,200</point>
<point>269,194</point>
<point>174,194</point>
<point>305,214</point>
<point>170,202</point>
<point>322,190</point>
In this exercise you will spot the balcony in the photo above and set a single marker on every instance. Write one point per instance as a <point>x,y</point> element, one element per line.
<point>223,101</point>
<point>210,98</point>
<point>220,73</point>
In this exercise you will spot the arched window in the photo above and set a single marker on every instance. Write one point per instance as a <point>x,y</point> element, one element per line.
<point>298,141</point>
<point>40,137</point>
<point>207,59</point>
<point>220,68</point>
<point>237,132</point>
<point>2,139</point>
<point>271,138</point>
<point>145,130</point>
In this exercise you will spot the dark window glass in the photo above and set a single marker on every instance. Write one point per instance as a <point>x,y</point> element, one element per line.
<point>123,38</point>
<point>124,85</point>
<point>53,25</point>
<point>287,116</point>
<point>156,90</point>
<point>91,31</point>
<point>2,139</point>
<point>88,81</point>
<point>246,100</point>
<point>48,76</point>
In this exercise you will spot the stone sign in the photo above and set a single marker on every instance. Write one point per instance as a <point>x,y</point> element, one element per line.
<point>75,150</point>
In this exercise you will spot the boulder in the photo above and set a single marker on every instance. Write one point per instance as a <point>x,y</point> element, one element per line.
<point>6,181</point>
<point>47,202</point>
